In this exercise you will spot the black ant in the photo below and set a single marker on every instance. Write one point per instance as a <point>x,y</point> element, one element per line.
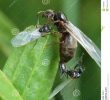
<point>74,73</point>
<point>68,44</point>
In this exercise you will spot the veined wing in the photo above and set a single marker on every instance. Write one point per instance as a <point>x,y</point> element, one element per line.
<point>25,37</point>
<point>85,41</point>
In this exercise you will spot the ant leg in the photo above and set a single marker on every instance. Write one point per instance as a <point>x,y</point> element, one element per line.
<point>37,25</point>
<point>45,34</point>
<point>81,58</point>
<point>63,70</point>
<point>54,43</point>
<point>77,71</point>
<point>56,21</point>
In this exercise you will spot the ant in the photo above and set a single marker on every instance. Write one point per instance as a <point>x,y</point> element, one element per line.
<point>68,44</point>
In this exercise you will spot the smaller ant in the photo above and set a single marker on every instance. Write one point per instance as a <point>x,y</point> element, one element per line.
<point>76,72</point>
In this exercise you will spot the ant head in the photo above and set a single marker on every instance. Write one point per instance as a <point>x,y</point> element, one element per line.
<point>45,28</point>
<point>49,14</point>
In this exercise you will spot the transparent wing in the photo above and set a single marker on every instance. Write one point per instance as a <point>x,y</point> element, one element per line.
<point>85,41</point>
<point>25,37</point>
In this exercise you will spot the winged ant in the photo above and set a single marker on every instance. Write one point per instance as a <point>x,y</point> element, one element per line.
<point>68,44</point>
<point>68,30</point>
<point>70,35</point>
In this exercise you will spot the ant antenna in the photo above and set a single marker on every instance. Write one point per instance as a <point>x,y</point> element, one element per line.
<point>81,58</point>
<point>37,25</point>
<point>38,19</point>
<point>40,12</point>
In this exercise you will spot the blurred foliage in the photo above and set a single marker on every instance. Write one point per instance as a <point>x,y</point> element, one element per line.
<point>83,13</point>
<point>5,36</point>
<point>7,90</point>
<point>35,69</point>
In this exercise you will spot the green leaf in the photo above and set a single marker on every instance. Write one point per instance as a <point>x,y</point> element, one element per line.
<point>32,68</point>
<point>7,90</point>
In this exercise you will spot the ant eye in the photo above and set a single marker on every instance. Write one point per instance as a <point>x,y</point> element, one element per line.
<point>63,17</point>
<point>50,16</point>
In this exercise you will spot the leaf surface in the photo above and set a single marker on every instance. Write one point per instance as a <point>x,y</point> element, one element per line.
<point>7,90</point>
<point>32,68</point>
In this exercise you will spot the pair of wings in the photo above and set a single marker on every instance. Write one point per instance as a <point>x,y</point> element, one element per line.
<point>26,36</point>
